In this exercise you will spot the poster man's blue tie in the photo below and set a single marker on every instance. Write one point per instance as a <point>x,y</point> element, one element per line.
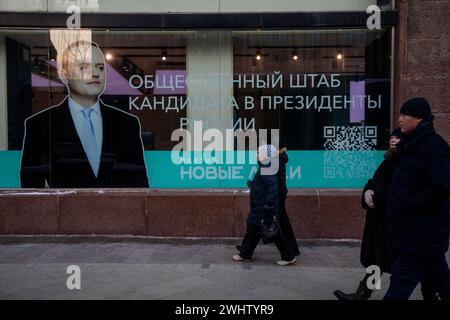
<point>90,142</point>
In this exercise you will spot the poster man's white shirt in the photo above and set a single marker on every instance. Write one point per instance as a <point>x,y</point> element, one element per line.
<point>76,111</point>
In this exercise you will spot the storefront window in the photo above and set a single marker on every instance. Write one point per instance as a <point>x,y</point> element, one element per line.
<point>328,92</point>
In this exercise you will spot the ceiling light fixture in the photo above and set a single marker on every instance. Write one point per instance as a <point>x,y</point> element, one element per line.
<point>163,55</point>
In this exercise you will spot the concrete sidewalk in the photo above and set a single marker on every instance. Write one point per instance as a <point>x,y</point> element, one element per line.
<point>143,268</point>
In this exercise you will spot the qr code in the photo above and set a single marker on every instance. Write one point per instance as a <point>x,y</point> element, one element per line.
<point>350,138</point>
<point>348,152</point>
<point>349,164</point>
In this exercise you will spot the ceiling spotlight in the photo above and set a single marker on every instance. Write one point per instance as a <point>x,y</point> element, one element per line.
<point>164,55</point>
<point>339,56</point>
<point>125,63</point>
<point>108,56</point>
<point>258,56</point>
<point>53,54</point>
<point>295,56</point>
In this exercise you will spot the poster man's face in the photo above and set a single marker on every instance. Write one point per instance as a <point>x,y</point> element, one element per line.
<point>85,71</point>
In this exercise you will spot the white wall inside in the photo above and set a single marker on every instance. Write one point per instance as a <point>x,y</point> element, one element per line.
<point>209,66</point>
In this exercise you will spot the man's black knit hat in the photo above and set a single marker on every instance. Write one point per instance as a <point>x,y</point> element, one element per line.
<point>417,108</point>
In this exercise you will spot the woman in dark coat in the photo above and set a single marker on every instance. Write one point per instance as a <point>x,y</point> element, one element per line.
<point>285,223</point>
<point>375,249</point>
<point>264,204</point>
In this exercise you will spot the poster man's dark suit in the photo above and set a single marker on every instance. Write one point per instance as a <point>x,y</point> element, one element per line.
<point>53,153</point>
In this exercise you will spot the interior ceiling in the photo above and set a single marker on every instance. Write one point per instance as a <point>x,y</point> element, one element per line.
<point>140,40</point>
<point>139,46</point>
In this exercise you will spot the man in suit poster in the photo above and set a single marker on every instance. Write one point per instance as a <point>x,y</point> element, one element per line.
<point>83,143</point>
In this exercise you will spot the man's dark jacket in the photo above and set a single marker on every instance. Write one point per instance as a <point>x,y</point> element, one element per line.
<point>53,153</point>
<point>418,200</point>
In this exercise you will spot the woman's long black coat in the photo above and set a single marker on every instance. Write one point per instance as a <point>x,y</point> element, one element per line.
<point>285,223</point>
<point>375,249</point>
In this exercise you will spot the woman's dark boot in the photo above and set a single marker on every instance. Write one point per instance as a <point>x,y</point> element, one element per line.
<point>362,293</point>
<point>428,289</point>
<point>430,297</point>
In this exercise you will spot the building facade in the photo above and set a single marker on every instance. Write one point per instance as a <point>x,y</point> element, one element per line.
<point>326,79</point>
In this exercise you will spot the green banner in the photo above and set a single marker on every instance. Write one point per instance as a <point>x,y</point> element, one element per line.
<point>305,169</point>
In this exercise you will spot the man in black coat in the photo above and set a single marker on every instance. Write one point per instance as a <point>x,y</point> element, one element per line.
<point>375,249</point>
<point>418,205</point>
<point>83,143</point>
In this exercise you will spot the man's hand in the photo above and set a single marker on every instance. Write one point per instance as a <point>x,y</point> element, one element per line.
<point>368,197</point>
